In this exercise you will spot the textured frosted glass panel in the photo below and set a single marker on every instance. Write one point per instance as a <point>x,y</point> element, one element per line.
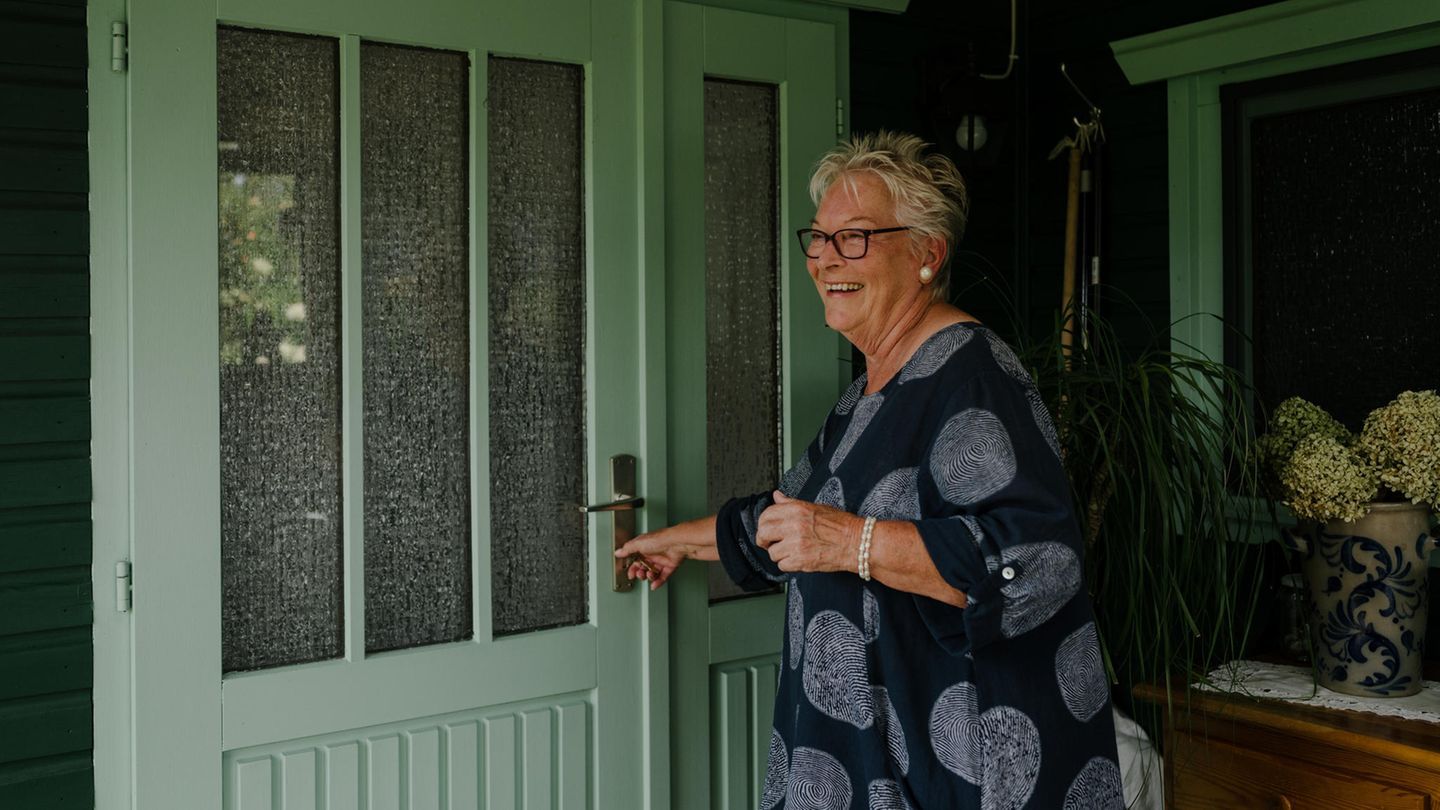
<point>280,523</point>
<point>414,126</point>
<point>537,345</point>
<point>1346,231</point>
<point>742,295</point>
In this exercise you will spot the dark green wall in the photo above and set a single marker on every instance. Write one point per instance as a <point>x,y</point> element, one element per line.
<point>45,600</point>
<point>914,72</point>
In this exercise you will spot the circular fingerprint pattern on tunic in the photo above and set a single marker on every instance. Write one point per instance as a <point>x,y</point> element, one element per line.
<point>935,352</point>
<point>998,750</point>
<point>817,782</point>
<point>1051,578</point>
<point>870,608</point>
<point>1006,359</point>
<point>832,494</point>
<point>795,623</point>
<point>864,412</point>
<point>894,497</point>
<point>777,774</point>
<point>889,721</point>
<point>955,731</point>
<point>1081,674</point>
<point>1011,758</point>
<point>1041,415</point>
<point>834,675</point>
<point>972,458</point>
<point>795,478</point>
<point>885,794</point>
<point>1096,787</point>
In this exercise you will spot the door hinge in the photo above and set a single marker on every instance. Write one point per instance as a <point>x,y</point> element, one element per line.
<point>839,117</point>
<point>119,46</point>
<point>122,586</point>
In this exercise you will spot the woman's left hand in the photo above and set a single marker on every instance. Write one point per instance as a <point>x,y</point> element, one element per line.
<point>805,536</point>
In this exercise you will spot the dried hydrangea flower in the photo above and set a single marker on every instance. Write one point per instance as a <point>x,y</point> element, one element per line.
<point>1292,421</point>
<point>1325,481</point>
<point>1402,442</point>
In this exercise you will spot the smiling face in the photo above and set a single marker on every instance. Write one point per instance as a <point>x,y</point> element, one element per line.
<point>867,298</point>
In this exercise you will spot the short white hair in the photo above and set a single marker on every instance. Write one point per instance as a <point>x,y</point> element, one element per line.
<point>928,191</point>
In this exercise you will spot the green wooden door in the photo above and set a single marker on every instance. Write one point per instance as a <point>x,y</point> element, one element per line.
<point>751,102</point>
<point>388,301</point>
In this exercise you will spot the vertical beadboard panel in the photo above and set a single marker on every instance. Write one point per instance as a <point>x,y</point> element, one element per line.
<point>732,730</point>
<point>342,775</point>
<point>574,758</point>
<point>254,785</point>
<point>763,679</point>
<point>533,756</point>
<point>500,762</point>
<point>382,770</point>
<point>424,778</point>
<point>538,764</point>
<point>742,705</point>
<point>462,765</point>
<point>297,780</point>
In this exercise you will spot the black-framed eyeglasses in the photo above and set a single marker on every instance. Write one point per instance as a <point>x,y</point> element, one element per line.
<point>852,243</point>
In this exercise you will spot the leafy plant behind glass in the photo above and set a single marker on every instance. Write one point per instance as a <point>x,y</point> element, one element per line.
<point>1158,448</point>
<point>262,309</point>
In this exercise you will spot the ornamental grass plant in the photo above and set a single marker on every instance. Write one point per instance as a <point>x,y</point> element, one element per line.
<point>1159,447</point>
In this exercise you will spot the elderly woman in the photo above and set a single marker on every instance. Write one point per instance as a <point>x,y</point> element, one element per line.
<point>940,651</point>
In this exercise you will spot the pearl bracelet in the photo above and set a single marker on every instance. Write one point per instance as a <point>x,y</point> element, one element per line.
<point>866,534</point>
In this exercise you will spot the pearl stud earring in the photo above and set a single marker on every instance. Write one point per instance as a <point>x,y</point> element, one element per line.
<point>926,274</point>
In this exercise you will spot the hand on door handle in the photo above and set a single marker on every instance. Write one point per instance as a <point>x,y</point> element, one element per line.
<point>622,509</point>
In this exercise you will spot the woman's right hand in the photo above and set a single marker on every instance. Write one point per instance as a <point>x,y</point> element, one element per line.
<point>664,550</point>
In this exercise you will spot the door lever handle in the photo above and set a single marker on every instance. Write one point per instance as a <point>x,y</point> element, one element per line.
<point>622,514</point>
<point>622,505</point>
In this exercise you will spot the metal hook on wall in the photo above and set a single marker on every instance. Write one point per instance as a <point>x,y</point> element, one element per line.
<point>1094,110</point>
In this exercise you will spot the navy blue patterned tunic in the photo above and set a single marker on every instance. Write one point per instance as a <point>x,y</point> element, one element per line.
<point>892,700</point>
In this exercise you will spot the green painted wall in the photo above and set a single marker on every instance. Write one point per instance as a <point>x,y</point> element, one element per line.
<point>45,600</point>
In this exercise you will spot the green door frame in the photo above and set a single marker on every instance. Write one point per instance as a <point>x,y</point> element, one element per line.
<point>724,656</point>
<point>153,124</point>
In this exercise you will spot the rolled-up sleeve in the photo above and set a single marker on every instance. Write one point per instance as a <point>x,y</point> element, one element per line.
<point>1005,532</point>
<point>747,564</point>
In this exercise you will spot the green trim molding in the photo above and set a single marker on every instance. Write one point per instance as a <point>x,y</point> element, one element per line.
<point>1196,60</point>
<point>1266,33</point>
<point>891,6</point>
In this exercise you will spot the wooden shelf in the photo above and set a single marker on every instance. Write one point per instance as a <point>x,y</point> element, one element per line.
<point>1230,751</point>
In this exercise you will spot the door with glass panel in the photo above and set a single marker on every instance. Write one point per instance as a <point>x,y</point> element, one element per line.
<point>386,345</point>
<point>750,104</point>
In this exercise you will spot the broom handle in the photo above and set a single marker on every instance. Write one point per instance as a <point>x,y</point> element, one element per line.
<point>1072,222</point>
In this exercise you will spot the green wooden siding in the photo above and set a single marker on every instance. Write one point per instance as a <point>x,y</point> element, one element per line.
<point>45,599</point>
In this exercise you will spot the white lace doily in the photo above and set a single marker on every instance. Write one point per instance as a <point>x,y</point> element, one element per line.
<point>1297,685</point>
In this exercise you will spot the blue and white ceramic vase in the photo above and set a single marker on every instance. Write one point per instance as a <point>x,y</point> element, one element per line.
<point>1368,604</point>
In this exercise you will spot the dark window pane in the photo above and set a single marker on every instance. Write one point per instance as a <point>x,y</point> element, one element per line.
<point>414,143</point>
<point>280,519</point>
<point>742,295</point>
<point>1346,228</point>
<point>537,345</point>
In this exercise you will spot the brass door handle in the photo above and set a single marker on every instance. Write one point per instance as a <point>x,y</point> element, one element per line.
<point>622,510</point>
<point>622,505</point>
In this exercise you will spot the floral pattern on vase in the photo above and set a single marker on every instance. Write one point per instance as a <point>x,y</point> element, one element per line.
<point>1366,583</point>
